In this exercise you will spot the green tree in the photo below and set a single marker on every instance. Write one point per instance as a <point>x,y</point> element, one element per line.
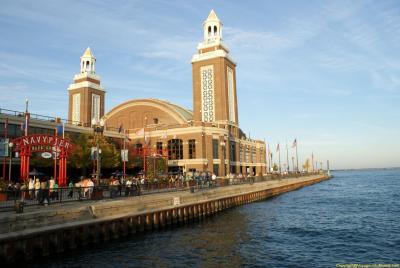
<point>110,156</point>
<point>80,157</point>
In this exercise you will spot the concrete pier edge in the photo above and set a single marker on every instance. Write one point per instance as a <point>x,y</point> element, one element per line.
<point>111,220</point>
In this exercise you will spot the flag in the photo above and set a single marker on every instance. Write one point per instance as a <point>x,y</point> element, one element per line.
<point>140,132</point>
<point>294,143</point>
<point>277,148</point>
<point>93,153</point>
<point>124,155</point>
<point>60,130</point>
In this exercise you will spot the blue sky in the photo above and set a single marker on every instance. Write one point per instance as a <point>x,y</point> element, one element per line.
<point>326,72</point>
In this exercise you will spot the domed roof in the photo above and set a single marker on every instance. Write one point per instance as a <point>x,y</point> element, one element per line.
<point>177,112</point>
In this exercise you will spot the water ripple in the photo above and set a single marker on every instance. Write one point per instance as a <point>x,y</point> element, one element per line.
<point>352,218</point>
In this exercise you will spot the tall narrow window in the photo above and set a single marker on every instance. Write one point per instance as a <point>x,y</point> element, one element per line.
<point>216,169</point>
<point>207,93</point>
<point>231,96</point>
<point>175,149</point>
<point>192,149</point>
<point>215,148</point>
<point>76,108</point>
<point>253,155</point>
<point>96,107</point>
<point>232,151</point>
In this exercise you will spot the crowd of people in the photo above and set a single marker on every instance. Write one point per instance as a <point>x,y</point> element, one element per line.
<point>46,189</point>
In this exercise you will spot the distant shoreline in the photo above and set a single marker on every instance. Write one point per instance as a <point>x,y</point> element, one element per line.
<point>365,169</point>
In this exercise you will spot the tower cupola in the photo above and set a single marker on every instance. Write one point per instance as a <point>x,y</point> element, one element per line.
<point>212,27</point>
<point>88,62</point>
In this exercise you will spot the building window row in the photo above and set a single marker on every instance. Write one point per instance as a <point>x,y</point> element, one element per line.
<point>16,130</point>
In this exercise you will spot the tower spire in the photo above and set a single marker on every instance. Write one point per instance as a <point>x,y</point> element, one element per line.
<point>212,27</point>
<point>88,61</point>
<point>212,16</point>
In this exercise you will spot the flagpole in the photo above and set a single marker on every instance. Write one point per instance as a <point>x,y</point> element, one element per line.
<point>123,162</point>
<point>5,139</point>
<point>63,130</point>
<point>287,158</point>
<point>293,164</point>
<point>312,160</point>
<point>279,151</point>
<point>265,155</point>
<point>269,160</point>
<point>25,157</point>
<point>144,146</point>
<point>297,158</point>
<point>55,157</point>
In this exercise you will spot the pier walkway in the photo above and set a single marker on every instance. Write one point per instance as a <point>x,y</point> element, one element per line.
<point>41,231</point>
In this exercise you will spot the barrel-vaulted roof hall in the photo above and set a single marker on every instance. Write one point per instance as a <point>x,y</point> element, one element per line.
<point>206,139</point>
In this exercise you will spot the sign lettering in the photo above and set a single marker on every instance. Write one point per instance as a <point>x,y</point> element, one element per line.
<point>43,143</point>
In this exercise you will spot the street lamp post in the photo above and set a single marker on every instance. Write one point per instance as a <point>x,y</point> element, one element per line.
<point>10,145</point>
<point>98,128</point>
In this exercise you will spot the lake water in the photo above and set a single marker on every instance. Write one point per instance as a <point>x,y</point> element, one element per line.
<point>352,218</point>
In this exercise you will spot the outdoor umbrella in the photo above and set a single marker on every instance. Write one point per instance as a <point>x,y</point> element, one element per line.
<point>118,173</point>
<point>36,173</point>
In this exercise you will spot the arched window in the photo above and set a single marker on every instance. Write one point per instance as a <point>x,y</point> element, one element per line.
<point>175,149</point>
<point>87,65</point>
<point>209,30</point>
<point>215,30</point>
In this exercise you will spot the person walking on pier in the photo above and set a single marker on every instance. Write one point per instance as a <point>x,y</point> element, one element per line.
<point>55,191</point>
<point>214,179</point>
<point>37,189</point>
<point>31,188</point>
<point>44,187</point>
<point>71,189</point>
<point>51,185</point>
<point>90,185</point>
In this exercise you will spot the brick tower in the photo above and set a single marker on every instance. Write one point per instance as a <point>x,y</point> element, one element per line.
<point>214,77</point>
<point>86,96</point>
